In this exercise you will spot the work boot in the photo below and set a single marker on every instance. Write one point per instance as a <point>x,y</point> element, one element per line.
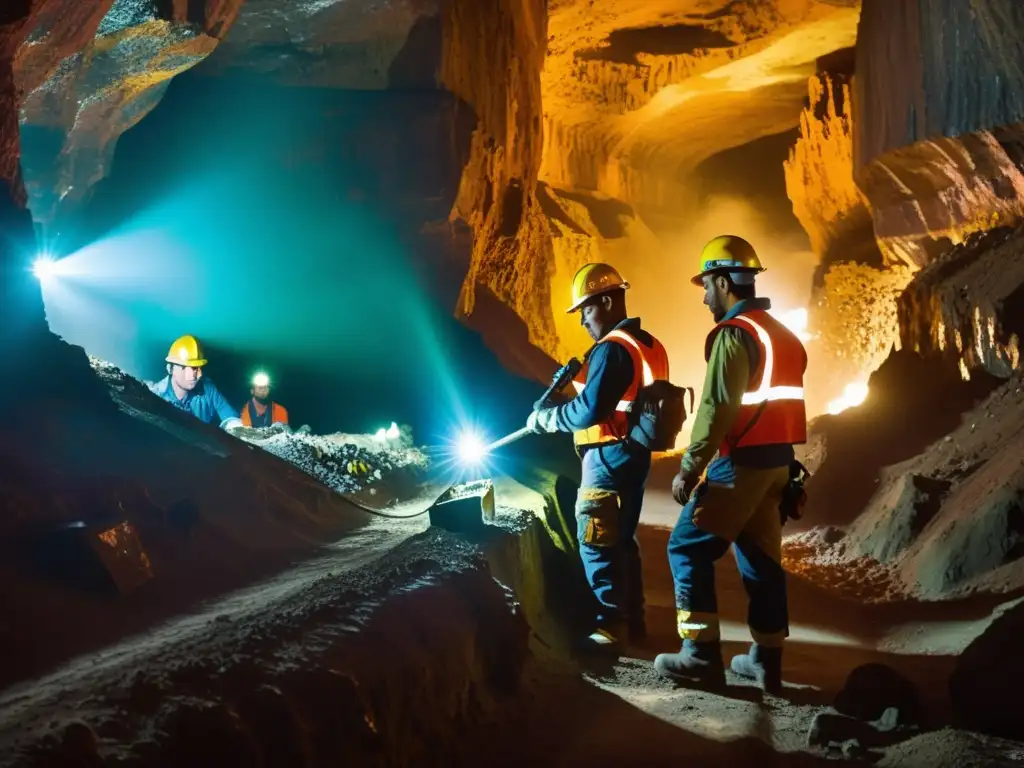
<point>695,662</point>
<point>607,639</point>
<point>761,664</point>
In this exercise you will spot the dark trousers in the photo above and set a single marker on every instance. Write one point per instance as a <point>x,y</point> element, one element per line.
<point>607,514</point>
<point>746,501</point>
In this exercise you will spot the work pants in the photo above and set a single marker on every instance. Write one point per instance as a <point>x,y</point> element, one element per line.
<point>738,506</point>
<point>607,513</point>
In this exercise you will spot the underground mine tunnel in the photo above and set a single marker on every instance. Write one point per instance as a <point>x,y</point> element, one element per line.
<point>371,215</point>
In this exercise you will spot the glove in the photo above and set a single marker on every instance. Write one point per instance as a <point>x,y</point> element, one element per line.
<point>543,420</point>
<point>682,488</point>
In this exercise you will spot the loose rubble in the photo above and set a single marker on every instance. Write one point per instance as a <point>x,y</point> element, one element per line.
<point>345,463</point>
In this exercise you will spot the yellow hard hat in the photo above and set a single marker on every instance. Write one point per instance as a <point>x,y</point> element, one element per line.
<point>187,350</point>
<point>594,279</point>
<point>728,253</point>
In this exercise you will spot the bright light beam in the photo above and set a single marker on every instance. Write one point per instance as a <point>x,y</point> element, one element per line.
<point>45,268</point>
<point>471,449</point>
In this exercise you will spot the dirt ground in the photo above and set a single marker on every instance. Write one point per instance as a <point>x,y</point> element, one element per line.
<point>371,650</point>
<point>329,636</point>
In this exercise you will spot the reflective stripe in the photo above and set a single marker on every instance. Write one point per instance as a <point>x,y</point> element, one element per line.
<point>773,394</point>
<point>648,375</point>
<point>623,405</point>
<point>766,392</point>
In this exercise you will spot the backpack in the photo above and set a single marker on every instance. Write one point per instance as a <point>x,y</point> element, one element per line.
<point>656,416</point>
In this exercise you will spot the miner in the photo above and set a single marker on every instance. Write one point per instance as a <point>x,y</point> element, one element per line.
<point>615,465</point>
<point>259,410</point>
<point>185,387</point>
<point>734,471</point>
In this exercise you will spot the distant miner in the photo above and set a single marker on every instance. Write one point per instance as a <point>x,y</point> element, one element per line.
<point>616,461</point>
<point>259,410</point>
<point>185,387</point>
<point>751,414</point>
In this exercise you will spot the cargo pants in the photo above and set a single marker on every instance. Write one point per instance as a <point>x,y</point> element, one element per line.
<point>607,514</point>
<point>732,506</point>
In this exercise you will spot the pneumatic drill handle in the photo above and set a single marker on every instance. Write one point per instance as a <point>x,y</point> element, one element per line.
<point>562,376</point>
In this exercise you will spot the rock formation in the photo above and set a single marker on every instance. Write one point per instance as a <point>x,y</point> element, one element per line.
<point>74,112</point>
<point>938,154</point>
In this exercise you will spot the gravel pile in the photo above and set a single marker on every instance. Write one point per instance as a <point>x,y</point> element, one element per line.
<point>346,463</point>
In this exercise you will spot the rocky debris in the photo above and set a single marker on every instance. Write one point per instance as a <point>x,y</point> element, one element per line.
<point>898,517</point>
<point>856,738</point>
<point>854,315</point>
<point>939,94</point>
<point>872,690</point>
<point>74,112</point>
<point>941,523</point>
<point>345,463</point>
<point>986,682</point>
<point>969,303</point>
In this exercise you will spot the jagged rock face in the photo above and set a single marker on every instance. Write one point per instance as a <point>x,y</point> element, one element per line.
<point>970,303</point>
<point>638,94</point>
<point>819,177</point>
<point>335,43</point>
<point>74,114</point>
<point>854,315</point>
<point>497,197</point>
<point>938,99</point>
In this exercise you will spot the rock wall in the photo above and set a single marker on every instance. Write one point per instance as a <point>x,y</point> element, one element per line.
<point>938,99</point>
<point>637,95</point>
<point>34,37</point>
<point>492,55</point>
<point>969,304</point>
<point>334,43</point>
<point>819,176</point>
<point>75,109</point>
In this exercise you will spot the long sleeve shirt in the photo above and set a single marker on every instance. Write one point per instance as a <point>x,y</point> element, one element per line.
<point>733,360</point>
<point>205,402</point>
<point>609,374</point>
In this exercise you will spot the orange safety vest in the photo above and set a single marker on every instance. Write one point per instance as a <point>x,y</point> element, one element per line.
<point>775,393</point>
<point>278,414</point>
<point>649,364</point>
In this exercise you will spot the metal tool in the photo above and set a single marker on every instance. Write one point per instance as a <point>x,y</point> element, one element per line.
<point>562,377</point>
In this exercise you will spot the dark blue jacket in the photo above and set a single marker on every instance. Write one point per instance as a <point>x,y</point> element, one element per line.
<point>609,374</point>
<point>205,402</point>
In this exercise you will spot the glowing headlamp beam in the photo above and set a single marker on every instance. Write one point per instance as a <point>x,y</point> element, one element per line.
<point>261,380</point>
<point>44,268</point>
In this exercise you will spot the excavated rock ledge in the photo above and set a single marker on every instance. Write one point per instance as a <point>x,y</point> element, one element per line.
<point>370,665</point>
<point>942,190</point>
<point>970,303</point>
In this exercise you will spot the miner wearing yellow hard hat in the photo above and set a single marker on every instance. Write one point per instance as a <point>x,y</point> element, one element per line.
<point>735,471</point>
<point>187,389</point>
<point>615,461</point>
<point>259,410</point>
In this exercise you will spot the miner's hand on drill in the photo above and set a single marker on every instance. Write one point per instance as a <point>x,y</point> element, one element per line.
<point>543,420</point>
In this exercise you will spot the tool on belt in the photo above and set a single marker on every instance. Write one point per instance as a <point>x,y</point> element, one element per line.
<point>794,497</point>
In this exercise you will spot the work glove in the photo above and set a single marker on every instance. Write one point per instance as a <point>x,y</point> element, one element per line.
<point>543,420</point>
<point>682,487</point>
